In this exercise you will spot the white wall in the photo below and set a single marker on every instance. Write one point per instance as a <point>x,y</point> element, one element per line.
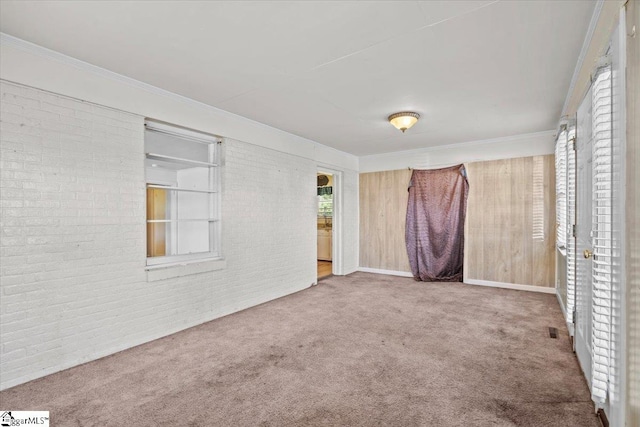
<point>351,224</point>
<point>73,281</point>
<point>533,144</point>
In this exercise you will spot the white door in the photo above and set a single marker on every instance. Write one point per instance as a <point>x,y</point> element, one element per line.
<point>583,316</point>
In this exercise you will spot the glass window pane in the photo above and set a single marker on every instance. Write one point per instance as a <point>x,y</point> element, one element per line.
<point>192,237</point>
<point>170,145</point>
<point>188,205</point>
<point>183,227</point>
<point>157,209</point>
<point>193,178</point>
<point>180,212</point>
<point>325,205</point>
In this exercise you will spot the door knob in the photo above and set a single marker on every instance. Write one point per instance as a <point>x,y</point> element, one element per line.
<point>587,253</point>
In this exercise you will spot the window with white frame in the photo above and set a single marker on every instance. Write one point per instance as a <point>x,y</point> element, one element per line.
<point>183,194</point>
<point>571,220</point>
<point>602,232</point>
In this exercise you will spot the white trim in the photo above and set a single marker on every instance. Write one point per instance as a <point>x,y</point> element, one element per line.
<point>616,407</point>
<point>162,272</point>
<point>387,272</point>
<point>488,283</point>
<point>183,262</point>
<point>564,314</point>
<point>514,146</point>
<point>181,132</point>
<point>515,286</point>
<point>337,223</point>
<point>583,52</point>
<point>562,307</point>
<point>337,235</point>
<point>510,138</point>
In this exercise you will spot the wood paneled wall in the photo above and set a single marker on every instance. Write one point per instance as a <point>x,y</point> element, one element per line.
<point>383,210</point>
<point>510,228</point>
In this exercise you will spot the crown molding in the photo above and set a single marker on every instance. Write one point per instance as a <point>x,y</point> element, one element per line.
<point>512,138</point>
<point>508,147</point>
<point>583,52</point>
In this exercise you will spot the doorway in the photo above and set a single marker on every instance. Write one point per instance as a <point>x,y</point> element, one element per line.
<point>324,223</point>
<point>584,186</point>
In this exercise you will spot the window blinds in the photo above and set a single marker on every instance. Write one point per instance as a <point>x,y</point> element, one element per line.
<point>538,199</point>
<point>602,232</point>
<point>571,220</point>
<point>561,189</point>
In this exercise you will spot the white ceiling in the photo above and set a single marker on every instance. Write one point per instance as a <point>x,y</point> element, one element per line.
<point>333,71</point>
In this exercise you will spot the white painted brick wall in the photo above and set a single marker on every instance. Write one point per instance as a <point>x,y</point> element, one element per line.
<point>73,285</point>
<point>351,227</point>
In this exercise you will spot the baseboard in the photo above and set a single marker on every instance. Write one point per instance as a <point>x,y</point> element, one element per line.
<point>564,313</point>
<point>515,286</point>
<point>468,281</point>
<point>562,307</point>
<point>381,271</point>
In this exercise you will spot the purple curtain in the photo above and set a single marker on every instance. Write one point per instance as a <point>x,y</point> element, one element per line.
<point>435,223</point>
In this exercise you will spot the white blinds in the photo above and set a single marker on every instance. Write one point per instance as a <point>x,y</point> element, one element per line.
<point>602,232</point>
<point>561,189</point>
<point>571,220</point>
<point>538,199</point>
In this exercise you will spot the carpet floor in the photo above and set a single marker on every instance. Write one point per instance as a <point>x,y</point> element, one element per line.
<point>360,350</point>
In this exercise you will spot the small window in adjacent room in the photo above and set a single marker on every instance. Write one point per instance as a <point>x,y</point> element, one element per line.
<point>183,197</point>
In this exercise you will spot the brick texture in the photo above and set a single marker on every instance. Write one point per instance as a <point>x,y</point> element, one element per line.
<point>73,281</point>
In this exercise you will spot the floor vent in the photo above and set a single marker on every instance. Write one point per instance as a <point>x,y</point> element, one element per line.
<point>553,332</point>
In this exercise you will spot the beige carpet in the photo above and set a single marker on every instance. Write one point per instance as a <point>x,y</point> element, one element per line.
<point>362,350</point>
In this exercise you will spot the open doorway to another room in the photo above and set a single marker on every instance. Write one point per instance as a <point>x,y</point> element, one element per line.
<point>325,224</point>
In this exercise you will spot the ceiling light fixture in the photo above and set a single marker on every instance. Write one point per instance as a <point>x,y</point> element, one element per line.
<point>404,120</point>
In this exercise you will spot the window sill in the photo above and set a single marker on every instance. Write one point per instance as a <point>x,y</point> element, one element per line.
<point>185,268</point>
